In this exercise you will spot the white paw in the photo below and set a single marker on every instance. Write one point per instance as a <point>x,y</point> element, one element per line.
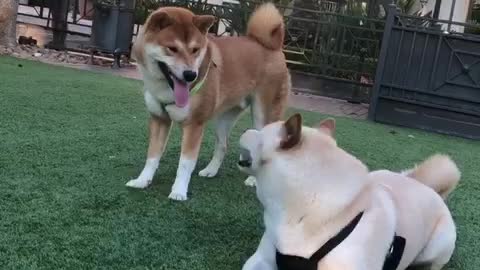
<point>177,196</point>
<point>208,172</point>
<point>251,181</point>
<point>138,183</point>
<point>179,191</point>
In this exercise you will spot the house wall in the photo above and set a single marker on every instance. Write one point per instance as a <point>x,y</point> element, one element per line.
<point>460,12</point>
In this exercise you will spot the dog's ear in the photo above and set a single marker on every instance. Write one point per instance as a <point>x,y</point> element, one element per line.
<point>293,132</point>
<point>159,21</point>
<point>327,126</point>
<point>203,22</point>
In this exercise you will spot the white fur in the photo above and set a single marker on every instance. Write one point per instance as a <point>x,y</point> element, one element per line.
<point>258,116</point>
<point>290,238</point>
<point>258,123</point>
<point>310,193</point>
<point>251,181</point>
<point>155,94</point>
<point>153,54</point>
<point>223,126</point>
<point>180,44</point>
<point>153,104</point>
<point>156,85</point>
<point>146,176</point>
<point>243,104</point>
<point>184,172</point>
<point>264,257</point>
<point>178,114</point>
<point>192,44</point>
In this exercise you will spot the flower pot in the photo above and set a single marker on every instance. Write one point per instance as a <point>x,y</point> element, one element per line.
<point>112,28</point>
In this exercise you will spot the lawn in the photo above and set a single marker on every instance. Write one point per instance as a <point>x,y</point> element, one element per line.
<point>72,139</point>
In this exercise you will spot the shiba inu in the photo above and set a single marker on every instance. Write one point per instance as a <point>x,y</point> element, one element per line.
<point>191,78</point>
<point>324,210</point>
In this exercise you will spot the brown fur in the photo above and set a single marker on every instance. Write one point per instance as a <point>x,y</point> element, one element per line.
<point>266,26</point>
<point>438,172</point>
<point>159,130</point>
<point>191,140</point>
<point>230,81</point>
<point>293,132</point>
<point>251,66</point>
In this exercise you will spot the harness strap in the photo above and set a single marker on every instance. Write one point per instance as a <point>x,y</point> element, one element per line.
<point>199,85</point>
<point>288,262</point>
<point>395,253</point>
<point>336,240</point>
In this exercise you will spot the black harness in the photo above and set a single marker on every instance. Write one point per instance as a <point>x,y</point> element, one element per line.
<point>288,262</point>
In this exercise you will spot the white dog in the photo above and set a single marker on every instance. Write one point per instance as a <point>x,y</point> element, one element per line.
<point>324,210</point>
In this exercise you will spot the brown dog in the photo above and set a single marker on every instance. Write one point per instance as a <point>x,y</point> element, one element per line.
<point>190,78</point>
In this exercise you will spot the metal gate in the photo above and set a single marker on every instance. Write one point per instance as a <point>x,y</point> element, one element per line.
<point>330,50</point>
<point>428,76</point>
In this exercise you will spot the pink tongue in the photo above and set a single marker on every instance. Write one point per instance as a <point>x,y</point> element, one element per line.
<point>180,90</point>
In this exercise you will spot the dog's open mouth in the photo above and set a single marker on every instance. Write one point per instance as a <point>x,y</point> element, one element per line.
<point>245,160</point>
<point>180,87</point>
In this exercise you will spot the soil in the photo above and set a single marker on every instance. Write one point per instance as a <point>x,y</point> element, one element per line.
<point>53,56</point>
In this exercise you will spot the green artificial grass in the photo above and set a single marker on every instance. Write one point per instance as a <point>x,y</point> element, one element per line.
<point>71,139</point>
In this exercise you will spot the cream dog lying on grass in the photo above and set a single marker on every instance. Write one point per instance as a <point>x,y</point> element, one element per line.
<point>324,210</point>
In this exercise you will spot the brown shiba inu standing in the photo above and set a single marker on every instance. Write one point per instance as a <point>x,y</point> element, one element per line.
<point>190,78</point>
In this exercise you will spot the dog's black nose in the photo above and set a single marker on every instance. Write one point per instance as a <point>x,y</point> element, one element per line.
<point>245,163</point>
<point>245,158</point>
<point>189,75</point>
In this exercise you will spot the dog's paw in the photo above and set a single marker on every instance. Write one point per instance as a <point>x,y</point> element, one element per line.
<point>138,183</point>
<point>208,172</point>
<point>180,188</point>
<point>176,196</point>
<point>251,181</point>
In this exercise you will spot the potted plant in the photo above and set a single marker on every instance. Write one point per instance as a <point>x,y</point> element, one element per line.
<point>112,27</point>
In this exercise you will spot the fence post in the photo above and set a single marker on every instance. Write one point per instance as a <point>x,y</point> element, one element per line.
<point>75,11</point>
<point>389,23</point>
<point>450,18</point>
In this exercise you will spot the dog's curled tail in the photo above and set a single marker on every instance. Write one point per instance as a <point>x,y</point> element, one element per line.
<point>438,172</point>
<point>266,26</point>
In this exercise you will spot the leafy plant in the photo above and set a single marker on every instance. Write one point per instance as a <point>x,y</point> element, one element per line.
<point>108,2</point>
<point>406,5</point>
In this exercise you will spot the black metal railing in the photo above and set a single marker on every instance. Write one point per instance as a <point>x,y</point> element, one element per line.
<point>76,14</point>
<point>324,40</point>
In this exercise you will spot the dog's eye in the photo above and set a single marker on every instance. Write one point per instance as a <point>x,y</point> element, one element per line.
<point>195,50</point>
<point>173,49</point>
